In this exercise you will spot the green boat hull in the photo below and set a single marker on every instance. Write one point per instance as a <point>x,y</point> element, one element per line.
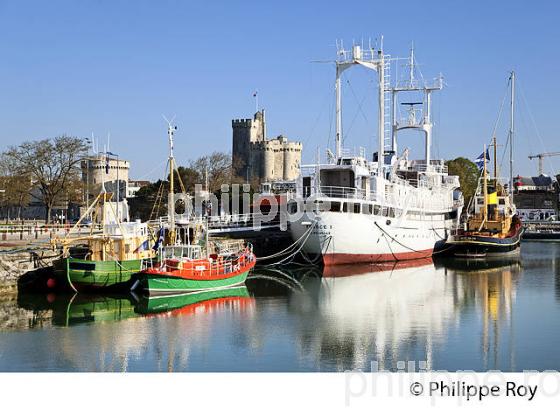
<point>166,303</point>
<point>82,274</point>
<point>160,284</point>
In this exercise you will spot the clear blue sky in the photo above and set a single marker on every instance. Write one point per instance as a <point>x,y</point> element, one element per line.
<point>79,67</point>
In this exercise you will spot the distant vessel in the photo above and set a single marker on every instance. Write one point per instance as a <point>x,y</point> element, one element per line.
<point>389,209</point>
<point>493,228</point>
<point>188,262</point>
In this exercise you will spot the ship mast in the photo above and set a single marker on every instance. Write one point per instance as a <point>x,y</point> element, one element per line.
<point>171,199</point>
<point>371,59</point>
<point>485,188</point>
<point>494,143</point>
<point>338,114</point>
<point>423,124</point>
<point>511,129</point>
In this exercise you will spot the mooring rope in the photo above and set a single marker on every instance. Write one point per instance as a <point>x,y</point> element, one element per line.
<point>293,254</point>
<point>302,238</point>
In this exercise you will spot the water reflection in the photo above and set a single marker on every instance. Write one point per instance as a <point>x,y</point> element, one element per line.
<point>450,314</point>
<point>398,312</point>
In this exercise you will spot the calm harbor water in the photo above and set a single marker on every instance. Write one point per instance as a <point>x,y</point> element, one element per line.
<point>453,316</point>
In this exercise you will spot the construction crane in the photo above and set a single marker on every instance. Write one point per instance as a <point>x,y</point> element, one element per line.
<point>541,156</point>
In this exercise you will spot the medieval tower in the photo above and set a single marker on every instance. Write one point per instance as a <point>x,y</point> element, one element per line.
<point>256,157</point>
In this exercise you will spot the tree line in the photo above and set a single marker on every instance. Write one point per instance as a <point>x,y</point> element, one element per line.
<point>48,172</point>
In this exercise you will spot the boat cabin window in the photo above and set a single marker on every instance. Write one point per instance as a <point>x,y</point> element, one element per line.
<point>367,209</point>
<point>345,207</point>
<point>356,208</point>
<point>292,207</point>
<point>385,211</point>
<point>337,177</point>
<point>188,251</point>
<point>335,206</point>
<point>377,210</point>
<point>306,186</point>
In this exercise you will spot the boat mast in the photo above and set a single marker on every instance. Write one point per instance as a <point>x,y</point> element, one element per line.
<point>381,111</point>
<point>511,129</point>
<point>495,162</point>
<point>338,113</point>
<point>171,204</point>
<point>485,187</point>
<point>412,84</point>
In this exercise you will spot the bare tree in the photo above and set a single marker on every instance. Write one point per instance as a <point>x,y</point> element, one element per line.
<point>14,189</point>
<point>51,165</point>
<point>218,165</point>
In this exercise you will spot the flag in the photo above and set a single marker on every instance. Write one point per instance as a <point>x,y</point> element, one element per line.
<point>159,241</point>
<point>144,246</point>
<point>479,161</point>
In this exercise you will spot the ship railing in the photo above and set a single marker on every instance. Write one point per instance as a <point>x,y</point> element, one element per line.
<point>433,167</point>
<point>241,219</point>
<point>229,246</point>
<point>147,263</point>
<point>342,192</point>
<point>418,84</point>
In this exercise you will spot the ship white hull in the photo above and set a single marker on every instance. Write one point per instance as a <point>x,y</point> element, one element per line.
<point>343,238</point>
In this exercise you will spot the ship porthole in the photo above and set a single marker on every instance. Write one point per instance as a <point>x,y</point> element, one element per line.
<point>388,222</point>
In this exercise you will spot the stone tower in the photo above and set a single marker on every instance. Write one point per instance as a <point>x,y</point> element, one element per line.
<point>256,157</point>
<point>96,170</point>
<point>247,132</point>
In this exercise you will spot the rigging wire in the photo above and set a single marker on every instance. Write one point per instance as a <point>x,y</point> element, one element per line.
<point>326,99</point>
<point>533,122</point>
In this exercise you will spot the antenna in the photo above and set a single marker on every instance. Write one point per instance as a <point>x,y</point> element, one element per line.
<point>168,121</point>
<point>411,63</point>
<point>93,143</point>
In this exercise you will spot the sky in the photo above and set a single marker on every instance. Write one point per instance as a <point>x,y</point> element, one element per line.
<point>114,67</point>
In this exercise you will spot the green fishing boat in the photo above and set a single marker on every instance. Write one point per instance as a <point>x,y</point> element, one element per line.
<point>193,301</point>
<point>105,260</point>
<point>156,281</point>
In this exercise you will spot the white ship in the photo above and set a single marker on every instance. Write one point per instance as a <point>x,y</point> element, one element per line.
<point>389,209</point>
